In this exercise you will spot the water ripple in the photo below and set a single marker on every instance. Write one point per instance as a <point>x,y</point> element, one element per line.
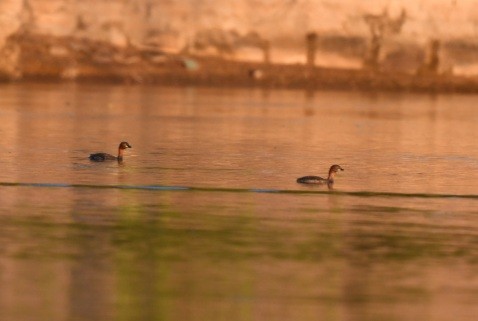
<point>239,190</point>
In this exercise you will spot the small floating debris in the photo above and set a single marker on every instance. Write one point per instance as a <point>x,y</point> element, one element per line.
<point>70,72</point>
<point>256,74</point>
<point>190,64</point>
<point>59,51</point>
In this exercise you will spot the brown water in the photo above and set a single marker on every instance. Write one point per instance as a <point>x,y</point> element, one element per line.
<point>204,220</point>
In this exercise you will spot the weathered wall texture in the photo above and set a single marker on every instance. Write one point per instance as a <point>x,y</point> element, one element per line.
<point>240,28</point>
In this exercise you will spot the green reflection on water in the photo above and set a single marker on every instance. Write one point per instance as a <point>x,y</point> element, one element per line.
<point>138,231</point>
<point>179,255</point>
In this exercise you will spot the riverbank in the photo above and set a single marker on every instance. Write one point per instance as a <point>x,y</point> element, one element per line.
<point>69,59</point>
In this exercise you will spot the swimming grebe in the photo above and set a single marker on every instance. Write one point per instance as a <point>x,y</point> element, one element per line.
<point>319,180</point>
<point>101,157</point>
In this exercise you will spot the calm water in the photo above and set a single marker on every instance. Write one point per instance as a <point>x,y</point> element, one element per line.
<point>204,220</point>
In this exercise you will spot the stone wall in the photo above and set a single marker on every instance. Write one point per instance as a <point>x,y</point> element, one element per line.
<point>241,29</point>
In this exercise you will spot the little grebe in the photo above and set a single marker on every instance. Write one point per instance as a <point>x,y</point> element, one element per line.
<point>319,180</point>
<point>101,157</point>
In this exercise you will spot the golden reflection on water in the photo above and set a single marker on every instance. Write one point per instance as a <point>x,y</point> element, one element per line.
<point>213,253</point>
<point>240,138</point>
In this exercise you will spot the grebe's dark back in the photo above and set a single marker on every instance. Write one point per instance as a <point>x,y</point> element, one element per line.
<point>101,157</point>
<point>319,180</point>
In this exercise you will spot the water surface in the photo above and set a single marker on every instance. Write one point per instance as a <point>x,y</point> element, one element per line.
<point>204,221</point>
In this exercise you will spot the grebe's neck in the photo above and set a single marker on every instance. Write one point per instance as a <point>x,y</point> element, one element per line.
<point>120,153</point>
<point>331,176</point>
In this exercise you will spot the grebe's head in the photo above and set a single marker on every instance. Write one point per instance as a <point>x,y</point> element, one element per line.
<point>335,169</point>
<point>124,145</point>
